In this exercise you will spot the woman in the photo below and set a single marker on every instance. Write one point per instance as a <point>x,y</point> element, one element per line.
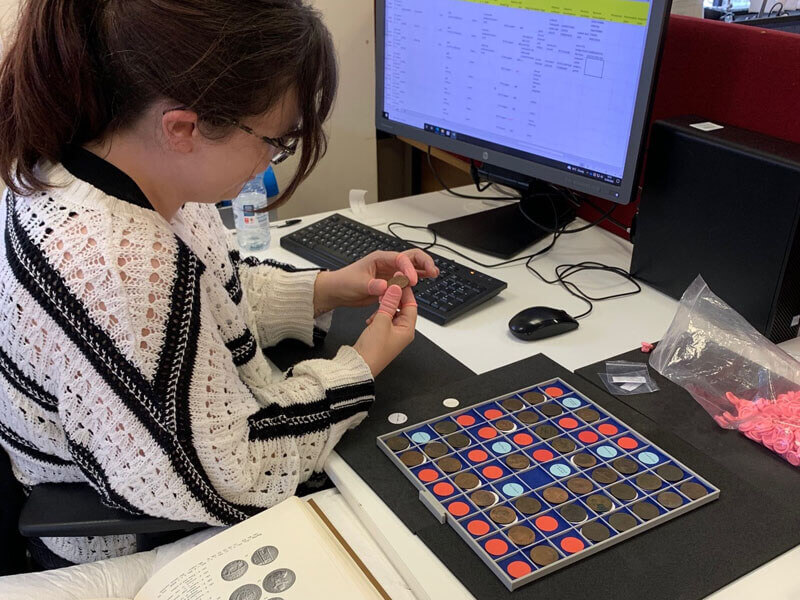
<point>129,334</point>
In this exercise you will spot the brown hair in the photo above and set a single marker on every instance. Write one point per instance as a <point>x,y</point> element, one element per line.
<point>78,69</point>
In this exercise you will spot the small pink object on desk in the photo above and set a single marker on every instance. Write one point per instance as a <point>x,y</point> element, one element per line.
<point>774,424</point>
<point>647,347</point>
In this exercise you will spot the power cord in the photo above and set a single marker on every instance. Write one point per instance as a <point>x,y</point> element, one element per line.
<point>563,272</point>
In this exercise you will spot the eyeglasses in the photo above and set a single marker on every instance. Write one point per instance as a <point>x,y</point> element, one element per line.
<point>285,145</point>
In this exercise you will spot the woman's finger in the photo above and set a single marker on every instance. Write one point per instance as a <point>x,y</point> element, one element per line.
<point>406,267</point>
<point>422,262</point>
<point>389,304</point>
<point>407,317</point>
<point>377,287</point>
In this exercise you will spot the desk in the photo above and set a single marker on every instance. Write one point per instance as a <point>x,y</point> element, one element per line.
<point>614,327</point>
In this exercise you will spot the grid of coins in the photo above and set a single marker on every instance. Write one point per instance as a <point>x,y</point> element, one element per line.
<point>535,477</point>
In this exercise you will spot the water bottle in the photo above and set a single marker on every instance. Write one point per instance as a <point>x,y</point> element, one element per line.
<point>252,228</point>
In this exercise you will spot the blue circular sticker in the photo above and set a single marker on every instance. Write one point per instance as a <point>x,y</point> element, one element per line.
<point>607,451</point>
<point>421,437</point>
<point>560,470</point>
<point>648,458</point>
<point>513,489</point>
<point>501,447</point>
<point>571,402</point>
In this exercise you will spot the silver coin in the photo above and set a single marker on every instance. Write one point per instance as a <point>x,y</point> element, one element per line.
<point>279,580</point>
<point>246,592</point>
<point>264,555</point>
<point>234,570</point>
<point>450,402</point>
<point>398,418</point>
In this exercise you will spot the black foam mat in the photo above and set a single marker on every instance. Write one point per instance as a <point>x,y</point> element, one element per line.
<point>689,557</point>
<point>674,409</point>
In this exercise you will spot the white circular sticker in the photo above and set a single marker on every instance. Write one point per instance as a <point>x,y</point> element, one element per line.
<point>451,402</point>
<point>397,418</point>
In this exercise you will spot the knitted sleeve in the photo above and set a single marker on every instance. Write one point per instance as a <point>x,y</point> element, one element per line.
<point>281,300</point>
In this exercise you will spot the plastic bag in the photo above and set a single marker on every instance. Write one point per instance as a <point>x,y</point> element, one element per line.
<point>739,377</point>
<point>624,378</point>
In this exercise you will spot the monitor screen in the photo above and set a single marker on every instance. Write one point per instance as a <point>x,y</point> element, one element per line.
<point>553,89</point>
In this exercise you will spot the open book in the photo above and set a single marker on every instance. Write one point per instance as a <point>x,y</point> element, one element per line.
<point>290,551</point>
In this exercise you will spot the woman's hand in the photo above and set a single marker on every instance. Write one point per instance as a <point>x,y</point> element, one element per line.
<point>365,281</point>
<point>390,329</point>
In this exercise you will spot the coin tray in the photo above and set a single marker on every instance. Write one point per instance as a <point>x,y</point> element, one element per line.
<point>669,489</point>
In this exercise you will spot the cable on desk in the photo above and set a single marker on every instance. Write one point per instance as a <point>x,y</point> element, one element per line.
<point>563,272</point>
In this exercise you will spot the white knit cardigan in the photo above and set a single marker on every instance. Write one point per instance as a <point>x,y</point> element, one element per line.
<point>130,359</point>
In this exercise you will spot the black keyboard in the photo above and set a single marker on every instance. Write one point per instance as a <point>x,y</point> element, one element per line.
<point>337,241</point>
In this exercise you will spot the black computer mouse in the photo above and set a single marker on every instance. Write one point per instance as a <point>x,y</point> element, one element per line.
<point>539,322</point>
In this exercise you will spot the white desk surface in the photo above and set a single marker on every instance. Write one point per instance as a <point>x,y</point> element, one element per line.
<point>481,341</point>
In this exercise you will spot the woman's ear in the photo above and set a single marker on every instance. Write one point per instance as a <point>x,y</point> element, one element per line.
<point>179,128</point>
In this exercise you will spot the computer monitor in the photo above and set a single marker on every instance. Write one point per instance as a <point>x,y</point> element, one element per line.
<point>555,90</point>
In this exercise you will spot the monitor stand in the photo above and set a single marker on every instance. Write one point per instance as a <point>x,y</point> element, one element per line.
<point>504,232</point>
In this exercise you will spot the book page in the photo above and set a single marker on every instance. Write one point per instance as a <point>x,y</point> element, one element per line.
<point>285,552</point>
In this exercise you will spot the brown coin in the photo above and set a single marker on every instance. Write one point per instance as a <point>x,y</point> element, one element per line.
<point>502,515</point>
<point>533,398</point>
<point>670,473</point>
<point>399,280</point>
<point>648,482</point>
<point>528,417</point>
<point>512,404</point>
<point>622,521</point>
<point>527,505</point>
<point>669,500</point>
<point>580,485</point>
<point>551,410</point>
<point>483,498</point>
<point>521,535</point>
<point>412,458</point>
<point>584,460</point>
<point>693,490</point>
<point>544,555</point>
<point>435,449</point>
<point>517,461</point>
<point>457,440</point>
<point>589,415</point>
<point>504,425</point>
<point>546,431</point>
<point>599,504</point>
<point>574,513</point>
<point>604,475</point>
<point>623,491</point>
<point>626,466</point>
<point>645,510</point>
<point>555,495</point>
<point>445,427</point>
<point>448,464</point>
<point>595,532</point>
<point>466,481</point>
<point>396,444</point>
<point>563,445</point>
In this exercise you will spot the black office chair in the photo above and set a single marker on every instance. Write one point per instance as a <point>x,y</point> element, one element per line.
<point>68,510</point>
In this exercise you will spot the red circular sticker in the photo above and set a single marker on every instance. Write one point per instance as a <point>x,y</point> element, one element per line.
<point>554,392</point>
<point>477,455</point>
<point>493,413</point>
<point>627,443</point>
<point>487,433</point>
<point>518,569</point>
<point>571,545</point>
<point>428,475</point>
<point>492,472</point>
<point>546,523</point>
<point>568,423</point>
<point>523,439</point>
<point>443,489</point>
<point>496,547</point>
<point>543,455</point>
<point>465,420</point>
<point>458,509</point>
<point>607,429</point>
<point>588,437</point>
<point>478,527</point>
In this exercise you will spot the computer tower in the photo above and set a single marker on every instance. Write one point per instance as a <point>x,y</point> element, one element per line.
<point>723,203</point>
